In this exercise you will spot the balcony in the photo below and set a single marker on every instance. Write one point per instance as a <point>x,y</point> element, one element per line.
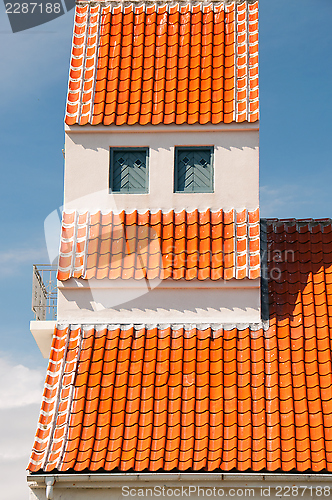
<point>44,292</point>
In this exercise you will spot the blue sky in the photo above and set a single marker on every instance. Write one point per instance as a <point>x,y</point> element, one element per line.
<point>296,173</point>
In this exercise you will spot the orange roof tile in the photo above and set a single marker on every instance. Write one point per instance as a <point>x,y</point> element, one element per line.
<point>166,63</point>
<point>188,245</point>
<point>168,397</point>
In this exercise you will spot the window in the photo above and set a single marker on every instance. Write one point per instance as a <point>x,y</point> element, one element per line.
<point>129,170</point>
<point>193,172</point>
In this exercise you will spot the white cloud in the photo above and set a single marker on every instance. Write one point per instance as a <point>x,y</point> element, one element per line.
<point>275,199</point>
<point>20,386</point>
<point>20,398</point>
<point>291,200</point>
<point>13,480</point>
<point>12,259</point>
<point>17,431</point>
<point>21,255</point>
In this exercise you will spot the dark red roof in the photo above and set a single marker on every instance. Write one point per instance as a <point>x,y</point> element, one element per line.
<point>179,397</point>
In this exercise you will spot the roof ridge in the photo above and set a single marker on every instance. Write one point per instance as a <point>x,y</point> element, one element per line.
<point>163,2</point>
<point>299,222</point>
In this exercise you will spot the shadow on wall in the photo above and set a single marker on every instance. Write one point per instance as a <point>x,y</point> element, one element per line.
<point>161,300</point>
<point>166,139</point>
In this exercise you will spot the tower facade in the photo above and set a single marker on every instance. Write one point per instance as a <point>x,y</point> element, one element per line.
<point>192,350</point>
<point>162,154</point>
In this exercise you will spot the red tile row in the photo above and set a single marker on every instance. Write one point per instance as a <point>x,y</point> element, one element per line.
<point>165,398</point>
<point>166,64</point>
<point>299,256</point>
<point>300,292</point>
<point>188,245</point>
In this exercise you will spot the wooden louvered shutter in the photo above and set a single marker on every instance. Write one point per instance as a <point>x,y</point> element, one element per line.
<point>193,170</point>
<point>129,170</point>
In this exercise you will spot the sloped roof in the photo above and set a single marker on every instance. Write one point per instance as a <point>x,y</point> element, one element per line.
<point>184,62</point>
<point>186,397</point>
<point>189,245</point>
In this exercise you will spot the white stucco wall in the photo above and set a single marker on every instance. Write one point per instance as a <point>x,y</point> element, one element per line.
<point>236,185</point>
<point>42,332</point>
<point>236,160</point>
<point>130,301</point>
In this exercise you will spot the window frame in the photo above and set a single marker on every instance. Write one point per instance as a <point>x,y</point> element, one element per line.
<point>176,164</point>
<point>111,168</point>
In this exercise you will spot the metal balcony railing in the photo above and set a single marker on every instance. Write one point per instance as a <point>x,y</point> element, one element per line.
<point>44,292</point>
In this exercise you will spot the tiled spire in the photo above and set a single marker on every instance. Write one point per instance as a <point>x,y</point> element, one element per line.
<point>170,63</point>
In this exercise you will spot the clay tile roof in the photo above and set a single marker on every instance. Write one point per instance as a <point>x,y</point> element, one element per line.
<point>164,63</point>
<point>177,397</point>
<point>188,245</point>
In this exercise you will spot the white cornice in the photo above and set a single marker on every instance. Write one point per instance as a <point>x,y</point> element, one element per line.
<point>148,129</point>
<point>114,480</point>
